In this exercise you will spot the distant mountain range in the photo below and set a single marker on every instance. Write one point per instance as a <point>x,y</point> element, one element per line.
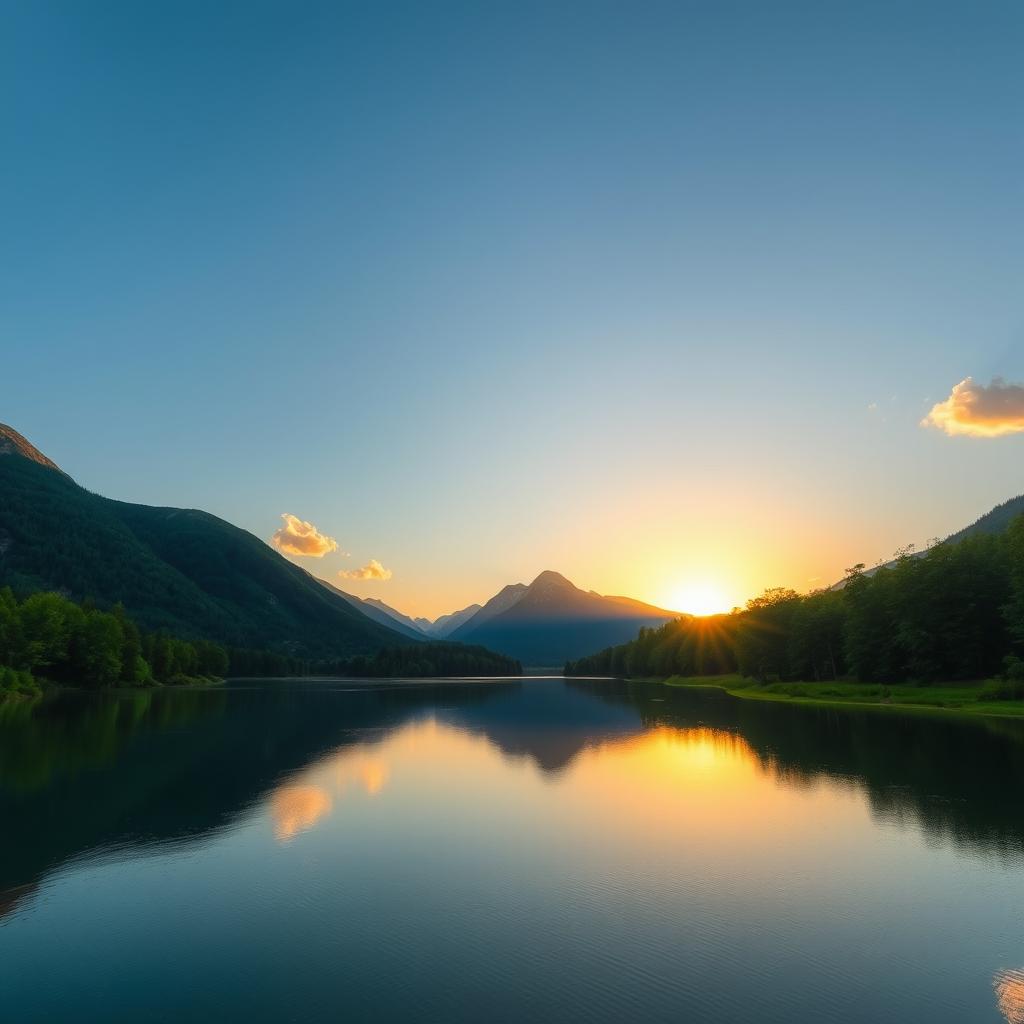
<point>177,569</point>
<point>418,628</point>
<point>198,576</point>
<point>447,624</point>
<point>543,624</point>
<point>378,611</point>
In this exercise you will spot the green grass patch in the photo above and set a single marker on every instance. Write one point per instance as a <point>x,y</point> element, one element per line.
<point>986,697</point>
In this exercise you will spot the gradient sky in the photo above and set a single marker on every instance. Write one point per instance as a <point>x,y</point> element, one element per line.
<point>651,294</point>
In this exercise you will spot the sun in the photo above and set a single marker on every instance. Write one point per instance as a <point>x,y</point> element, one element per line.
<point>700,598</point>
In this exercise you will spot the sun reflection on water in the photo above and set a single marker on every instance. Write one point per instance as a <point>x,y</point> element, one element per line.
<point>1009,986</point>
<point>696,780</point>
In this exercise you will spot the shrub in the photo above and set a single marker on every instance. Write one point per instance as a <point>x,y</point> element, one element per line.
<point>1002,689</point>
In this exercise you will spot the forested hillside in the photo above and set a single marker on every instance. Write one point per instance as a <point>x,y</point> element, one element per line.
<point>954,613</point>
<point>179,570</point>
<point>996,521</point>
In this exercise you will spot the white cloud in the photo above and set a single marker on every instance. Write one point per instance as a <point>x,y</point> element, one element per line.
<point>298,537</point>
<point>979,411</point>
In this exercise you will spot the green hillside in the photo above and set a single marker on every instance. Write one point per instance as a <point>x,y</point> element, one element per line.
<point>996,521</point>
<point>177,569</point>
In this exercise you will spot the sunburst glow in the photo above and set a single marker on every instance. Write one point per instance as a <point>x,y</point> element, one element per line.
<point>700,598</point>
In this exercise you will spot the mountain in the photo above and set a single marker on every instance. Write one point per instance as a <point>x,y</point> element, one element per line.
<point>12,443</point>
<point>377,610</point>
<point>501,602</point>
<point>445,625</point>
<point>177,569</point>
<point>995,521</point>
<point>552,621</point>
<point>419,625</point>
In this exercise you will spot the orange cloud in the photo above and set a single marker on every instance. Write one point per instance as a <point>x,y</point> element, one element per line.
<point>979,411</point>
<point>297,537</point>
<point>373,570</point>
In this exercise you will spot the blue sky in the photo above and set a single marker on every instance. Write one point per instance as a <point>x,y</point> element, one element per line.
<point>644,293</point>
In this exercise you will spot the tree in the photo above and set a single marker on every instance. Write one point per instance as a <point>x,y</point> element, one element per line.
<point>1014,608</point>
<point>762,641</point>
<point>48,622</point>
<point>98,650</point>
<point>134,668</point>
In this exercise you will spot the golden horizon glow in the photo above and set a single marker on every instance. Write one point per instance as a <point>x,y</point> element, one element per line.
<point>700,598</point>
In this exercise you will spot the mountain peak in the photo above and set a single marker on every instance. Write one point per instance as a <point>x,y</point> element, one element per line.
<point>546,622</point>
<point>550,578</point>
<point>13,443</point>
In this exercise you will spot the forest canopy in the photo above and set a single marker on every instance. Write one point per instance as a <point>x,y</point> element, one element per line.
<point>48,637</point>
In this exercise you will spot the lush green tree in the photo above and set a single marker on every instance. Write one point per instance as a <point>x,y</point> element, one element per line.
<point>870,631</point>
<point>51,637</point>
<point>762,637</point>
<point>134,668</point>
<point>10,627</point>
<point>48,622</point>
<point>816,637</point>
<point>1014,610</point>
<point>97,650</point>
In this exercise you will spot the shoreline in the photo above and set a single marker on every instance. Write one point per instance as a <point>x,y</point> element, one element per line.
<point>48,689</point>
<point>958,703</point>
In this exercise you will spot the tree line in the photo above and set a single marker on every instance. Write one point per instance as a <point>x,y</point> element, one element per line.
<point>952,613</point>
<point>416,661</point>
<point>48,637</point>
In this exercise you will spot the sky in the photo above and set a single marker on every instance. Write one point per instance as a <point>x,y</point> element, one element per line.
<point>660,296</point>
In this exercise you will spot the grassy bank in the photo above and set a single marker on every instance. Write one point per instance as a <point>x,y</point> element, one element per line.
<point>19,696</point>
<point>981,698</point>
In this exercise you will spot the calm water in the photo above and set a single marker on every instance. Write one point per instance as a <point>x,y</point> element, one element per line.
<point>508,851</point>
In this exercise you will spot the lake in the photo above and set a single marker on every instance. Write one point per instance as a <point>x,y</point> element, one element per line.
<point>517,850</point>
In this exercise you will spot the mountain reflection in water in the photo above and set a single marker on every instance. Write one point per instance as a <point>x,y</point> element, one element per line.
<point>166,765</point>
<point>661,834</point>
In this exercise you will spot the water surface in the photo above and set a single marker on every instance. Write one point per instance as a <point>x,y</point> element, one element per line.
<point>537,850</point>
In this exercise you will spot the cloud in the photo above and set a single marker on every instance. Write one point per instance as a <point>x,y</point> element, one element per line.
<point>979,411</point>
<point>297,537</point>
<point>373,570</point>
